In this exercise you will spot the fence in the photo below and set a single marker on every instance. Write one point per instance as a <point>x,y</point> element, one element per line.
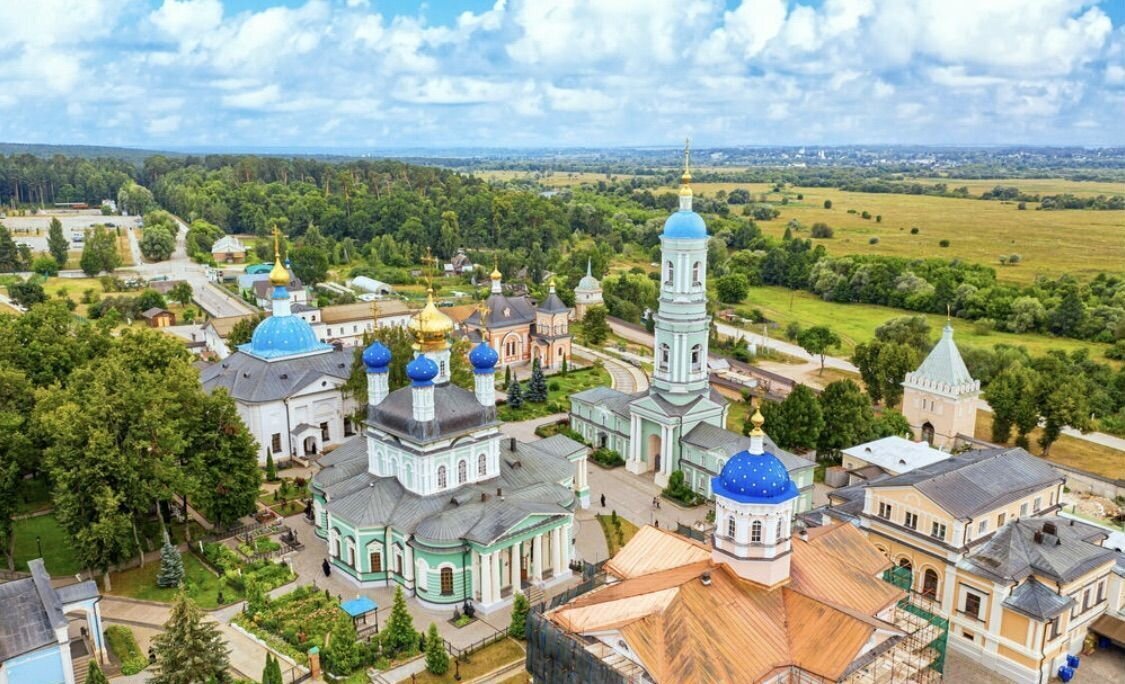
<point>252,530</point>
<point>555,657</point>
<point>463,653</point>
<point>691,532</point>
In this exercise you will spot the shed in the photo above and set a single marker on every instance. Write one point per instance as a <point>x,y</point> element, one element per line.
<point>158,318</point>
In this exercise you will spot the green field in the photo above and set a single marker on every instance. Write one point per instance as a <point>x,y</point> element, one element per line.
<point>1052,243</point>
<point>201,585</point>
<point>856,323</point>
<point>58,555</point>
<point>1032,186</point>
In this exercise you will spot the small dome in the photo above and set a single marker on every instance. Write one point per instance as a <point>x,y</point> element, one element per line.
<point>754,478</point>
<point>483,358</point>
<point>279,336</point>
<point>422,370</point>
<point>377,357</point>
<point>429,325</point>
<point>278,275</point>
<point>496,274</point>
<point>685,225</point>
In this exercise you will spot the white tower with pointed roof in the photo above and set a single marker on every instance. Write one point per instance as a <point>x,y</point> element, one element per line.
<point>940,398</point>
<point>588,294</point>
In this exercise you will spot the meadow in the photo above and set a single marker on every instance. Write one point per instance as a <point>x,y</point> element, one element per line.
<point>1052,243</point>
<point>856,323</point>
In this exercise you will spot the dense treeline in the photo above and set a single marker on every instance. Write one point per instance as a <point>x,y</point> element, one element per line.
<point>27,179</point>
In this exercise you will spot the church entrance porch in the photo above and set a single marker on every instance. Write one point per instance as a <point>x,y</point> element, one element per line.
<point>654,448</point>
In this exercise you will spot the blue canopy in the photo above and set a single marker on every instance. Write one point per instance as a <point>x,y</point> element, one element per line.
<point>360,605</point>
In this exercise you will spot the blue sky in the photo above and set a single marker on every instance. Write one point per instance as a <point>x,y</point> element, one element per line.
<point>512,73</point>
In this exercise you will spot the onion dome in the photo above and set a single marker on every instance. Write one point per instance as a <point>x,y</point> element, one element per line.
<point>279,276</point>
<point>496,274</point>
<point>377,357</point>
<point>755,478</point>
<point>588,282</point>
<point>685,224</point>
<point>280,336</point>
<point>483,358</point>
<point>430,326</point>
<point>422,370</point>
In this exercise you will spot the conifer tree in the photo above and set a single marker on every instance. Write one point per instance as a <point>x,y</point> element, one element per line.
<point>565,368</point>
<point>171,565</point>
<point>94,674</point>
<point>520,608</point>
<point>190,649</point>
<point>515,395</point>
<point>537,386</point>
<point>507,377</point>
<point>56,243</point>
<point>399,635</point>
<point>437,659</point>
<point>271,469</point>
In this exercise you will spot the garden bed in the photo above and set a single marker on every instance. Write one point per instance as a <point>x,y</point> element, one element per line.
<point>123,647</point>
<point>606,458</point>
<point>235,569</point>
<point>616,534</point>
<point>488,659</point>
<point>559,389</point>
<point>296,622</point>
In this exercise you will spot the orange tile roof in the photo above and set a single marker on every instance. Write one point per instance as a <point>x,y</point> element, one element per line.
<point>734,630</point>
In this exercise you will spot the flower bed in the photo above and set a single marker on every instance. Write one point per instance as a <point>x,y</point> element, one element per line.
<point>123,645</point>
<point>297,621</point>
<point>260,546</point>
<point>270,575</point>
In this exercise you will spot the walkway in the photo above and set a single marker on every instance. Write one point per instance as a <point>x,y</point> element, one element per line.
<point>623,376</point>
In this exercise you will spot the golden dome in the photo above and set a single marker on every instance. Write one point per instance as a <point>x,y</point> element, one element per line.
<point>430,326</point>
<point>758,421</point>
<point>278,275</point>
<point>496,274</point>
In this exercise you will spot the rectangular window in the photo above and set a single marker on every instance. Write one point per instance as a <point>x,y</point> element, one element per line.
<point>1052,498</point>
<point>376,560</point>
<point>937,530</point>
<point>1000,520</point>
<point>324,432</point>
<point>1038,503</point>
<point>982,527</point>
<point>912,520</point>
<point>972,605</point>
<point>1054,628</point>
<point>1086,601</point>
<point>275,442</point>
<point>885,511</point>
<point>1101,591</point>
<point>967,635</point>
<point>1023,509</point>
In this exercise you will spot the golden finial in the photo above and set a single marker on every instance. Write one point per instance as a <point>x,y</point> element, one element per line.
<point>496,274</point>
<point>686,177</point>
<point>757,420</point>
<point>279,277</point>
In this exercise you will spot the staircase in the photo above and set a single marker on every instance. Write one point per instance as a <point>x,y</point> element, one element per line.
<point>80,660</point>
<point>534,595</point>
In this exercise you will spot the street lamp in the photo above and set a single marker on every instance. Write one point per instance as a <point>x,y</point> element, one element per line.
<point>39,545</point>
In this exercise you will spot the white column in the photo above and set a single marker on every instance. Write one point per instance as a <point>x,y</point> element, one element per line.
<point>556,551</point>
<point>495,570</point>
<point>537,558</point>
<point>515,567</point>
<point>484,574</point>
<point>408,562</point>
<point>665,449</point>
<point>564,544</point>
<point>634,438</point>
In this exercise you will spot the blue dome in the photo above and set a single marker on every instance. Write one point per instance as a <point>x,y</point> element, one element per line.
<point>686,225</point>
<point>422,370</point>
<point>754,478</point>
<point>483,358</point>
<point>280,336</point>
<point>377,357</point>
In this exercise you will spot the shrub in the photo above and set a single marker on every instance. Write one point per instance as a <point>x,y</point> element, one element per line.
<point>124,645</point>
<point>1021,206</point>
<point>866,214</point>
<point>827,204</point>
<point>943,243</point>
<point>520,606</point>
<point>607,457</point>
<point>554,386</point>
<point>679,490</point>
<point>873,241</point>
<point>914,230</point>
<point>878,218</point>
<point>821,230</point>
<point>437,659</point>
<point>1013,259</point>
<point>801,196</point>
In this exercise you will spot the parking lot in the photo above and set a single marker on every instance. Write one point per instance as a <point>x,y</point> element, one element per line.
<point>32,230</point>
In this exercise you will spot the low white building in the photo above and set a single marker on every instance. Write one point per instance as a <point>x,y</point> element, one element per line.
<point>371,285</point>
<point>888,456</point>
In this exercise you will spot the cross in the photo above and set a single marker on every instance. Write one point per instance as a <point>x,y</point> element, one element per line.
<point>429,261</point>
<point>484,311</point>
<point>276,246</point>
<point>687,154</point>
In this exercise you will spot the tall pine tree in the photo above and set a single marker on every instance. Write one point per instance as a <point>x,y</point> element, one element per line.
<point>191,649</point>
<point>437,659</point>
<point>515,395</point>
<point>537,386</point>
<point>399,634</point>
<point>171,565</point>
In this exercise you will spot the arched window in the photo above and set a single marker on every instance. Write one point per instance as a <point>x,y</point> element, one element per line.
<point>670,278</point>
<point>780,528</point>
<point>929,583</point>
<point>442,483</point>
<point>446,581</point>
<point>334,543</point>
<point>730,527</point>
<point>482,465</point>
<point>756,531</point>
<point>697,358</point>
<point>696,272</point>
<point>665,355</point>
<point>462,472</point>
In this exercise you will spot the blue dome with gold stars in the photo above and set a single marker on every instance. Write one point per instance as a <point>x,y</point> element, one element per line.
<point>377,357</point>
<point>754,478</point>
<point>483,357</point>
<point>422,370</point>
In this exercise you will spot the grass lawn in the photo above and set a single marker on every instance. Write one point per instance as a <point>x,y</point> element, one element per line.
<point>628,529</point>
<point>574,381</point>
<point>35,495</point>
<point>979,231</point>
<point>1069,451</point>
<point>736,415</point>
<point>291,506</point>
<point>58,554</point>
<point>202,585</point>
<point>489,658</point>
<point>856,323</point>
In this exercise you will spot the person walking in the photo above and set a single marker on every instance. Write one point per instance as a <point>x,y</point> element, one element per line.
<point>603,500</point>
<point>326,567</point>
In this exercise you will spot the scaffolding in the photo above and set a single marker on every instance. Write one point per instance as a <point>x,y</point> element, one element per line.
<point>916,656</point>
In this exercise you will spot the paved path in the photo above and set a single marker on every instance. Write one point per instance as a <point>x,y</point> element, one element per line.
<point>623,376</point>
<point>525,429</point>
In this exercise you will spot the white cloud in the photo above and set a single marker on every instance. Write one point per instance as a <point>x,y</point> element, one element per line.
<point>163,125</point>
<point>187,20</point>
<point>253,99</point>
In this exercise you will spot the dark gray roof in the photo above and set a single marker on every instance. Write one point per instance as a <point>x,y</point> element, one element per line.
<point>504,311</point>
<point>1047,547</point>
<point>263,288</point>
<point>614,400</point>
<point>456,411</point>
<point>708,436</point>
<point>552,304</point>
<point>30,612</point>
<point>978,481</point>
<point>530,480</point>
<point>1038,601</point>
<point>353,448</point>
<point>559,446</point>
<point>83,591</point>
<point>154,311</point>
<point>248,378</point>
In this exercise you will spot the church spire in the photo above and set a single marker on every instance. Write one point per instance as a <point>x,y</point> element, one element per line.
<point>685,178</point>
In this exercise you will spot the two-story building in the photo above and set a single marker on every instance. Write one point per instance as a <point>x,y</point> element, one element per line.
<point>519,329</point>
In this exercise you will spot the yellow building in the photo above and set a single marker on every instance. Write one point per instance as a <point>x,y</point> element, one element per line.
<point>977,534</point>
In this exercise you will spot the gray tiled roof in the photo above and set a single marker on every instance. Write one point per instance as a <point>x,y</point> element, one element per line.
<point>353,448</point>
<point>614,400</point>
<point>529,479</point>
<point>30,612</point>
<point>708,436</point>
<point>978,481</point>
<point>559,446</point>
<point>1025,547</point>
<point>456,410</point>
<point>248,378</point>
<point>944,368</point>
<point>263,288</point>
<point>552,304</point>
<point>504,311</point>
<point>1038,601</point>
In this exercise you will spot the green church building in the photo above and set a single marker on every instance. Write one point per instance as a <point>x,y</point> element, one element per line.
<point>679,422</point>
<point>434,498</point>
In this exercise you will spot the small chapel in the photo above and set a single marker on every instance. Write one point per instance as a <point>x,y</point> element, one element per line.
<point>520,330</point>
<point>432,497</point>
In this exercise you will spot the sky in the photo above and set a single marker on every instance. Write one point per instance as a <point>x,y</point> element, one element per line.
<point>381,74</point>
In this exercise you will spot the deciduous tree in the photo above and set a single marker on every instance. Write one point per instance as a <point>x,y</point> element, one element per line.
<point>848,418</point>
<point>818,341</point>
<point>57,244</point>
<point>595,326</point>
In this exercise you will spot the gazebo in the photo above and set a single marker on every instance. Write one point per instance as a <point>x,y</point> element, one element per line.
<point>358,610</point>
